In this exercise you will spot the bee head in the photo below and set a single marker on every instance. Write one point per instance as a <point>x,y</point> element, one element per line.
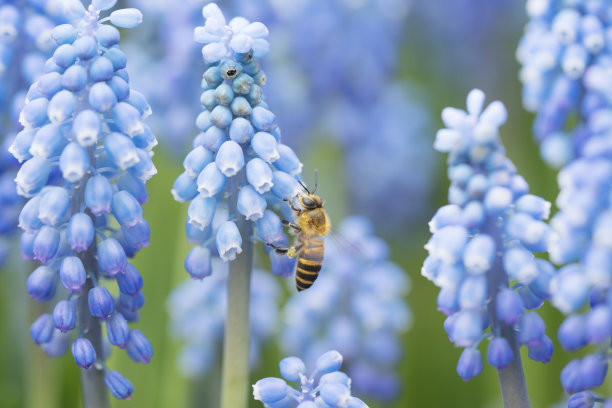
<point>310,201</point>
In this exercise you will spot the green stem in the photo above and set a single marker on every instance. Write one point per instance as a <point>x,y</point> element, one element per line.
<point>95,394</point>
<point>235,388</point>
<point>511,378</point>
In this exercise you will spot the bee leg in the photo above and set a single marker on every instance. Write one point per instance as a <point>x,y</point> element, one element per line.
<point>282,250</point>
<point>298,211</point>
<point>292,225</point>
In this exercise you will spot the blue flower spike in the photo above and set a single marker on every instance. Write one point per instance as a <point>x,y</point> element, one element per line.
<point>86,154</point>
<point>483,241</point>
<point>332,389</point>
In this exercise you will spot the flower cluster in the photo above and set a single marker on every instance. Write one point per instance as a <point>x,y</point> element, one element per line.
<point>326,386</point>
<point>191,300</point>
<point>238,153</point>
<point>566,73</point>
<point>356,306</point>
<point>86,155</point>
<point>25,44</point>
<point>484,239</point>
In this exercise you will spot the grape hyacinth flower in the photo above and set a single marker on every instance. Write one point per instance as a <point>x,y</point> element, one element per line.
<point>483,241</point>
<point>203,337</point>
<point>86,155</point>
<point>566,74</point>
<point>356,306</point>
<point>326,386</point>
<point>237,162</point>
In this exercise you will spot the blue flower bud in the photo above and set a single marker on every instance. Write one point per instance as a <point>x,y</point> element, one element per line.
<point>196,235</point>
<point>197,160</point>
<point>47,142</point>
<point>241,130</point>
<point>126,18</point>
<point>592,371</point>
<point>72,273</point>
<point>583,399</point>
<point>103,4</point>
<point>210,181</point>
<point>134,186</point>
<point>64,34</point>
<point>473,292</point>
<point>184,188</point>
<point>137,236</point>
<point>121,150</point>
<point>335,394</point>
<point>479,254</point>
<point>127,119</point>
<point>213,76</point>
<point>86,127</point>
<point>118,385</point>
<point>49,84</point>
<point>448,244</point>
<point>265,146</point>
<point>98,195</point>
<point>509,307</point>
<point>101,96</point>
<point>26,244</point>
<point>74,162</point>
<point>132,303</point>
<point>198,262</point>
<point>34,113</point>
<point>288,160</point>
<point>139,348</point>
<point>531,328</point>
<point>41,284</point>
<point>28,217</point>
<point>466,328</point>
<point>42,329</point>
<point>101,69</point>
<point>270,229</point>
<point>143,169</point>
<point>84,353</point>
<point>54,205</point>
<point>208,100</point>
<point>223,95</point>
<point>117,330</point>
<point>118,59</point>
<point>533,205</point>
<point>571,333</point>
<point>520,264</point>
<point>241,107</point>
<point>32,176</point>
<point>107,35</point>
<point>292,368</point>
<point>499,353</point>
<point>126,209</point>
<point>598,324</point>
<point>201,211</point>
<point>111,257</point>
<point>86,47</point>
<point>229,241</point>
<point>529,299</point>
<point>270,390</point>
<point>57,346</point>
<point>281,265</point>
<point>262,118</point>
<point>250,203</point>
<point>570,290</point>
<point>20,147</point>
<point>284,185</point>
<point>469,364</point>
<point>329,362</point>
<point>65,55</point>
<point>570,377</point>
<point>447,301</point>
<point>541,351</point>
<point>61,107</point>
<point>212,138</point>
<point>497,200</point>
<point>129,282</point>
<point>230,158</point>
<point>64,315</point>
<point>203,123</point>
<point>259,175</point>
<point>145,140</point>
<point>221,116</point>
<point>80,232</point>
<point>101,303</point>
<point>242,84</point>
<point>137,100</point>
<point>46,243</point>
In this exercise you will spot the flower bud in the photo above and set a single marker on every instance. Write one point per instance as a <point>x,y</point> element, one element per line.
<point>100,302</point>
<point>139,348</point>
<point>64,315</point>
<point>72,274</point>
<point>117,330</point>
<point>83,352</point>
<point>111,257</point>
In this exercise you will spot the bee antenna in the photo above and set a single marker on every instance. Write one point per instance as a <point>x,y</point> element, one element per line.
<point>316,181</point>
<point>303,186</point>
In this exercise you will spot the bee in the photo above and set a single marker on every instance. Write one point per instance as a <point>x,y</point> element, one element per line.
<point>311,226</point>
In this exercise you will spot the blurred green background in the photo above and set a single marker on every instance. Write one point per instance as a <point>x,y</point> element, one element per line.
<point>30,379</point>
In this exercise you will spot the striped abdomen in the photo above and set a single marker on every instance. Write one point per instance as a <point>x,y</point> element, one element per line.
<point>309,263</point>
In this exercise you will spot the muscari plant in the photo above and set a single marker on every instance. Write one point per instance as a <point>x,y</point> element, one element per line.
<point>25,44</point>
<point>86,155</point>
<point>481,250</point>
<point>566,59</point>
<point>326,386</point>
<point>357,307</point>
<point>235,171</point>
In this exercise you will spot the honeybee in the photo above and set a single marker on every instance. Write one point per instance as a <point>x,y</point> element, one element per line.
<point>311,226</point>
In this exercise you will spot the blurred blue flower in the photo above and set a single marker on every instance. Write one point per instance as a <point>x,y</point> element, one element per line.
<point>357,307</point>
<point>483,240</point>
<point>237,156</point>
<point>83,133</point>
<point>203,337</point>
<point>326,386</point>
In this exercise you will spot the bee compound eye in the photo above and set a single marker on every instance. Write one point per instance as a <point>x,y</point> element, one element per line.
<point>308,203</point>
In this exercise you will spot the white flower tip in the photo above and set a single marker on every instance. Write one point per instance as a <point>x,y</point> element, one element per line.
<point>475,101</point>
